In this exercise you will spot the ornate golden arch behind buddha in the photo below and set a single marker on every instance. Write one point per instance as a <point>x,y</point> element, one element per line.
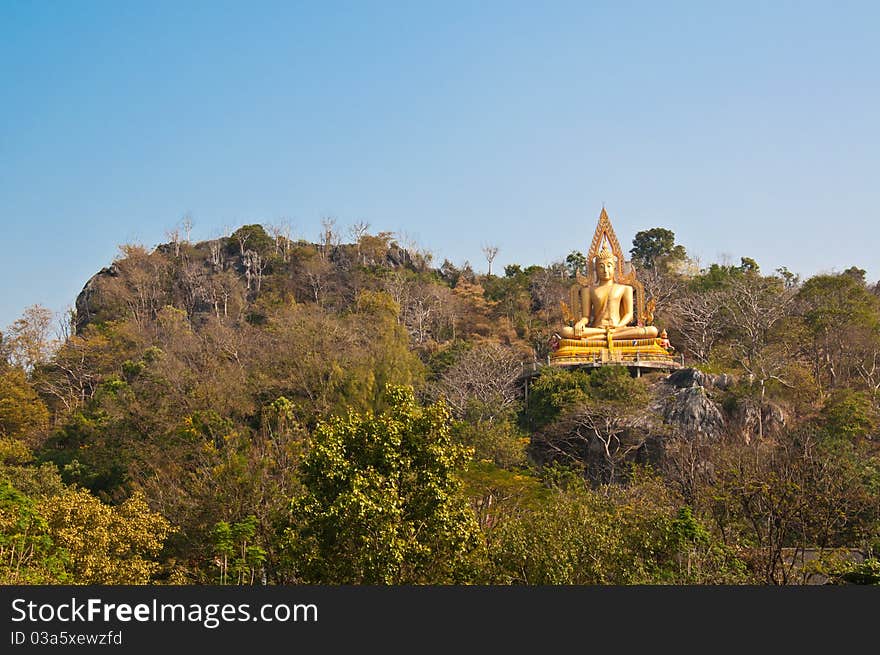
<point>625,273</point>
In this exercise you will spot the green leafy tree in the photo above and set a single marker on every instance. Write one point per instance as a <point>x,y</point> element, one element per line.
<point>382,503</point>
<point>576,262</point>
<point>27,555</point>
<point>251,237</point>
<point>235,550</point>
<point>842,318</point>
<point>552,391</point>
<point>71,537</point>
<point>850,415</point>
<point>650,246</point>
<point>861,573</point>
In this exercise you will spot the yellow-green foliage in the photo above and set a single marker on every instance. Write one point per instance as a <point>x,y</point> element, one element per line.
<point>21,409</point>
<point>103,544</point>
<point>52,534</point>
<point>612,535</point>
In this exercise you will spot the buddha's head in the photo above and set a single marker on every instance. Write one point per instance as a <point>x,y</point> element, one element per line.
<point>605,263</point>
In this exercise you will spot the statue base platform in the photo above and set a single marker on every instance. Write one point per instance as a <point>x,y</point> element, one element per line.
<point>638,353</point>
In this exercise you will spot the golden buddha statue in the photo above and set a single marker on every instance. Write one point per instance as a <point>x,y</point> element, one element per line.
<point>606,308</point>
<point>609,320</point>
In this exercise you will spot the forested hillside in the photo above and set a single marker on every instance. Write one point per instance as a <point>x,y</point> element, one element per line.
<point>258,410</point>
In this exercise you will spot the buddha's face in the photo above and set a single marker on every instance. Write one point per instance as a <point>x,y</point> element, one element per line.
<point>605,269</point>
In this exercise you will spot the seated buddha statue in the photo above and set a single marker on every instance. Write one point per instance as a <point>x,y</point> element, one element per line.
<point>606,308</point>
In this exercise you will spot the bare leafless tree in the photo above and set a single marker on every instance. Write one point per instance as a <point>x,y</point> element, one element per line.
<point>420,258</point>
<point>357,232</point>
<point>216,247</point>
<point>490,251</point>
<point>868,363</point>
<point>65,323</point>
<point>274,231</point>
<point>242,236</point>
<point>281,232</point>
<point>358,229</point>
<point>428,311</point>
<point>598,436</point>
<point>287,236</point>
<point>546,289</point>
<point>698,318</point>
<point>317,273</point>
<point>757,309</point>
<point>254,266</point>
<point>73,377</point>
<point>660,284</point>
<point>173,236</point>
<point>186,224</point>
<point>225,293</point>
<point>141,284</point>
<point>484,381</point>
<point>329,236</point>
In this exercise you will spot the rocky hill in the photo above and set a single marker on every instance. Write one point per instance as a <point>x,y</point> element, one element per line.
<point>226,277</point>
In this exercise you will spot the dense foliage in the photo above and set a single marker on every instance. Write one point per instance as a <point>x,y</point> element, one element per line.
<point>258,410</point>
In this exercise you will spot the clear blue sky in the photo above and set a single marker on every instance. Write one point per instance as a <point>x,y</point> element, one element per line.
<point>749,129</point>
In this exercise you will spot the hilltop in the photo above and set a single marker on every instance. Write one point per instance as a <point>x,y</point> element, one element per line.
<point>351,413</point>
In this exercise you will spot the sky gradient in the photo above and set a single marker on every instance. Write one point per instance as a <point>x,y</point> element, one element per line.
<point>749,129</point>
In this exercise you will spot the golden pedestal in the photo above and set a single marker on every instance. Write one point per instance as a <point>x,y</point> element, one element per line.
<point>597,352</point>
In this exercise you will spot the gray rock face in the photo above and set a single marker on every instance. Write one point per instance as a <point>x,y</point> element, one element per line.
<point>686,400</point>
<point>691,377</point>
<point>750,425</point>
<point>686,406</point>
<point>84,300</point>
<point>692,411</point>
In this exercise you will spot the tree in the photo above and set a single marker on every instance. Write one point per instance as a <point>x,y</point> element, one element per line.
<point>72,537</point>
<point>373,249</point>
<point>757,309</point>
<point>663,284</point>
<point>358,230</point>
<point>27,342</point>
<point>600,426</point>
<point>427,310</point>
<point>649,246</point>
<point>612,535</point>
<point>576,262</point>
<point>329,238</point>
<point>773,500</point>
<point>843,320</point>
<point>483,390</point>
<point>490,252</point>
<point>27,555</point>
<point>485,377</point>
<point>235,551</point>
<point>22,411</point>
<point>138,284</point>
<point>850,416</point>
<point>699,318</point>
<point>317,272</point>
<point>105,545</point>
<point>382,502</point>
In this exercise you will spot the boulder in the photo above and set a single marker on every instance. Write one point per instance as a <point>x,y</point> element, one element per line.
<point>692,377</point>
<point>690,410</point>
